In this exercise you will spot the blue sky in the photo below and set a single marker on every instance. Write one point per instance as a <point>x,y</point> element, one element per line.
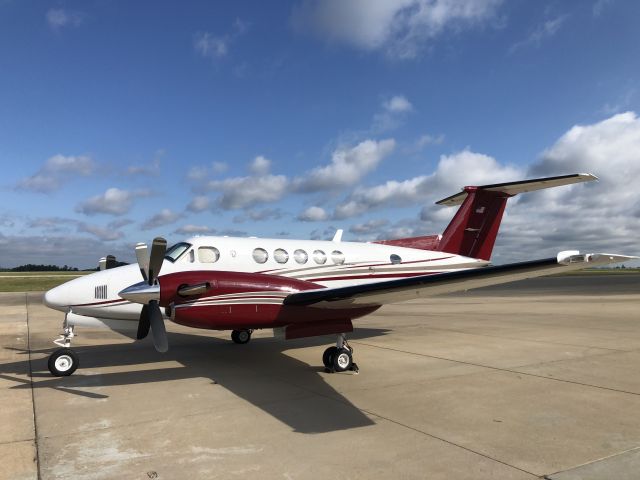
<point>120,121</point>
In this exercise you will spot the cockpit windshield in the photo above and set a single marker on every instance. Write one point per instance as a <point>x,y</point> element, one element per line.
<point>176,251</point>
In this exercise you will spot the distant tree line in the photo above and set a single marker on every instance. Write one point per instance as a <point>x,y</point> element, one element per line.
<point>30,267</point>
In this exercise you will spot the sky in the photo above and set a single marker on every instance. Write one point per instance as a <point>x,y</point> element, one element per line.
<point>122,121</point>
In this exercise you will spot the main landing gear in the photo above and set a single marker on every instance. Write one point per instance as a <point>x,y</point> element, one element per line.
<point>340,357</point>
<point>241,336</point>
<point>64,361</point>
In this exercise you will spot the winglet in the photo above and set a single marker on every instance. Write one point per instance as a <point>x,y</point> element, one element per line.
<point>338,236</point>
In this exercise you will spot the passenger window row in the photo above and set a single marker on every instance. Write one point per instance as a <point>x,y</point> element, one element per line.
<point>260,255</point>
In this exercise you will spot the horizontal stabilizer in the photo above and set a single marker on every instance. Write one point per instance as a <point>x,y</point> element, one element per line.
<point>514,188</point>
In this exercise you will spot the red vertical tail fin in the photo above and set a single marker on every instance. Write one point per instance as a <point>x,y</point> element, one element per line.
<point>474,228</point>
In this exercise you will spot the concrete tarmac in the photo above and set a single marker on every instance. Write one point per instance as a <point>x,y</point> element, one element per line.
<point>534,380</point>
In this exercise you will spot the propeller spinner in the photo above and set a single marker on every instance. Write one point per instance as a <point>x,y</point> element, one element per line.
<point>148,293</point>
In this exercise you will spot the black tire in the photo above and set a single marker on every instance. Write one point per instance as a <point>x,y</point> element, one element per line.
<point>241,336</point>
<point>342,360</point>
<point>327,356</point>
<point>63,362</point>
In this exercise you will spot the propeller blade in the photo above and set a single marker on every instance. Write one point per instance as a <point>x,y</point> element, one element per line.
<point>144,323</point>
<point>158,331</point>
<point>142,255</point>
<point>158,249</point>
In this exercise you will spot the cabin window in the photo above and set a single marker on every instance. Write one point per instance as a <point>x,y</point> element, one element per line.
<point>300,256</point>
<point>338,257</point>
<point>260,255</point>
<point>395,259</point>
<point>319,257</point>
<point>208,254</point>
<point>281,256</point>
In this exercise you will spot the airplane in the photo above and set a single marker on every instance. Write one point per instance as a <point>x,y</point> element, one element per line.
<point>300,288</point>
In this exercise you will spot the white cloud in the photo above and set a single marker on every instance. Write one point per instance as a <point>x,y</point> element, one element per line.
<point>56,171</point>
<point>152,169</point>
<point>113,201</point>
<point>217,46</point>
<point>164,217</point>
<point>313,214</point>
<point>542,32</point>
<point>398,104</point>
<point>243,192</point>
<point>194,230</point>
<point>219,167</point>
<point>258,215</point>
<point>400,28</point>
<point>58,18</point>
<point>368,227</point>
<point>453,171</point>
<point>260,165</point>
<point>199,203</point>
<point>599,6</point>
<point>347,167</point>
<point>103,233</point>
<point>394,112</point>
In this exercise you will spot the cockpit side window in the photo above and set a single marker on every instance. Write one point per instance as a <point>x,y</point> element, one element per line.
<point>176,251</point>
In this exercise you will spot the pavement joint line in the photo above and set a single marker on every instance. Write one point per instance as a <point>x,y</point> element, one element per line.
<point>450,442</point>
<point>522,339</point>
<point>617,454</point>
<point>22,440</point>
<point>33,397</point>
<point>507,369</point>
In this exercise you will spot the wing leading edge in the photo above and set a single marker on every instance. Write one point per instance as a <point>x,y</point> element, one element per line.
<point>404,289</point>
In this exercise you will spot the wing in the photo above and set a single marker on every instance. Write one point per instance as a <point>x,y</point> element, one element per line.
<point>395,291</point>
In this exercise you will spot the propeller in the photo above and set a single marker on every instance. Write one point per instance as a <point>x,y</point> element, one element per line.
<point>148,293</point>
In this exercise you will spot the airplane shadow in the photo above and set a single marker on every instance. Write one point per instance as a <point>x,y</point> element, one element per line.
<point>259,372</point>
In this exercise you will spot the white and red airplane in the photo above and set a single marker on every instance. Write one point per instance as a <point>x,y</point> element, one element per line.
<point>300,288</point>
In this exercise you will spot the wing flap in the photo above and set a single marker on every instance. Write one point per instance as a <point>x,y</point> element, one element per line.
<point>394,291</point>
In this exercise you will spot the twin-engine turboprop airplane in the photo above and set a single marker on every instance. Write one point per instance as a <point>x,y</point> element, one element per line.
<point>300,288</point>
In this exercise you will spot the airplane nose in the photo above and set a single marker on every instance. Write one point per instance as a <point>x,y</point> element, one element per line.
<point>53,299</point>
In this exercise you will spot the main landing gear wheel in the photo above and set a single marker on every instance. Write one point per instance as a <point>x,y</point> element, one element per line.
<point>340,357</point>
<point>63,362</point>
<point>241,336</point>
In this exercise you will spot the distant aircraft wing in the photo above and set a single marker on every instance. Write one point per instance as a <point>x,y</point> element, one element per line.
<point>394,291</point>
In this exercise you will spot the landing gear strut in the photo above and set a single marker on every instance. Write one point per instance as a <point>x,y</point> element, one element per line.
<point>241,336</point>
<point>340,357</point>
<point>64,361</point>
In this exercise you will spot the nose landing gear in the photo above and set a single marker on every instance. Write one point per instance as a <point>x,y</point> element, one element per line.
<point>340,357</point>
<point>64,361</point>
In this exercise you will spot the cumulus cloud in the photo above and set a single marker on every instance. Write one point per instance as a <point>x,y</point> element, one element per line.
<point>199,203</point>
<point>542,32</point>
<point>260,165</point>
<point>113,201</point>
<point>394,111</point>
<point>217,46</point>
<point>597,216</point>
<point>56,171</point>
<point>106,234</point>
<point>313,214</point>
<point>368,227</point>
<point>348,165</point>
<point>453,171</point>
<point>243,192</point>
<point>152,169</point>
<point>190,229</point>
<point>258,215</point>
<point>58,18</point>
<point>400,28</point>
<point>164,217</point>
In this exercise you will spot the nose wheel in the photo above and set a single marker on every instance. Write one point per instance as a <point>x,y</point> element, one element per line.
<point>64,361</point>
<point>340,357</point>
